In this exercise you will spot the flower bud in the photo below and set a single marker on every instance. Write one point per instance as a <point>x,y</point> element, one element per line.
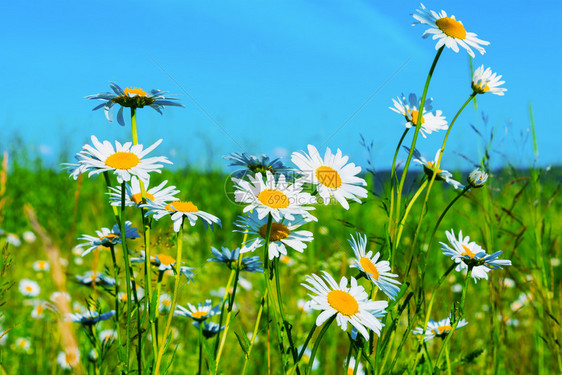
<point>477,178</point>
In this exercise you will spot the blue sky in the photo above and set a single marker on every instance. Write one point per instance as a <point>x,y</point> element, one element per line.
<point>271,77</point>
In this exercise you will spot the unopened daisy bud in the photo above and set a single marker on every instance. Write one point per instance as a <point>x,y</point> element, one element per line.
<point>477,178</point>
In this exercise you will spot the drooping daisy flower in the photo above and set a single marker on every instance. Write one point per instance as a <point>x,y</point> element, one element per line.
<point>178,210</point>
<point>41,265</point>
<point>69,358</point>
<point>200,312</point>
<point>332,176</point>
<point>410,110</point>
<point>29,288</point>
<point>164,263</point>
<point>164,303</point>
<point>349,304</point>
<point>122,296</point>
<point>133,195</point>
<point>210,329</point>
<point>450,32</point>
<point>99,278</point>
<point>377,272</point>
<point>106,237</point>
<point>282,234</point>
<point>90,317</point>
<point>132,97</point>
<point>230,258</point>
<point>438,329</point>
<point>278,198</point>
<point>125,160</point>
<point>429,168</point>
<point>255,164</point>
<point>351,367</point>
<point>484,81</point>
<point>107,336</point>
<point>467,253</point>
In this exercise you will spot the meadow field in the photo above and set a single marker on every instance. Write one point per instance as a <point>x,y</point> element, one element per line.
<point>114,262</point>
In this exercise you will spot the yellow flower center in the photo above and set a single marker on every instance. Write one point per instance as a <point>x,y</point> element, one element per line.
<point>343,302</point>
<point>137,198</point>
<point>40,310</point>
<point>166,302</point>
<point>165,259</point>
<point>440,330</point>
<point>278,231</point>
<point>181,206</point>
<point>273,199</point>
<point>451,27</point>
<point>41,264</point>
<point>122,160</point>
<point>28,288</point>
<point>328,177</point>
<point>22,343</point>
<point>369,267</point>
<point>467,251</point>
<point>480,88</point>
<point>137,91</point>
<point>430,164</point>
<point>199,314</point>
<point>413,117</point>
<point>71,358</point>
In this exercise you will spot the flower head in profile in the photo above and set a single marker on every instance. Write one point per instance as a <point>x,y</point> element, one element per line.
<point>99,278</point>
<point>124,160</point>
<point>477,178</point>
<point>282,234</point>
<point>276,197</point>
<point>107,237</point>
<point>230,258</point>
<point>133,194</point>
<point>90,317</point>
<point>349,304</point>
<point>378,271</point>
<point>132,97</point>
<point>255,164</point>
<point>333,176</point>
<point>409,108</point>
<point>164,303</point>
<point>351,367</point>
<point>200,312</point>
<point>23,344</point>
<point>429,169</point>
<point>448,30</point>
<point>69,358</point>
<point>484,81</point>
<point>469,254</point>
<point>164,263</point>
<point>180,210</point>
<point>438,329</point>
<point>41,265</point>
<point>29,288</point>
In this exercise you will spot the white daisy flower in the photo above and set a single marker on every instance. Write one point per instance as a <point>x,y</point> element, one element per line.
<point>351,367</point>
<point>465,253</point>
<point>29,236</point>
<point>200,312</point>
<point>133,196</point>
<point>23,344</point>
<point>377,272</point>
<point>305,359</point>
<point>438,329</point>
<point>13,239</point>
<point>69,358</point>
<point>278,198</point>
<point>178,210</point>
<point>132,97</point>
<point>125,160</point>
<point>29,288</point>
<point>164,303</point>
<point>282,234</point>
<point>60,297</point>
<point>428,168</point>
<point>106,237</point>
<point>39,309</point>
<point>254,164</point>
<point>107,336</point>
<point>484,81</point>
<point>477,178</point>
<point>448,30</point>
<point>164,263</point>
<point>41,265</point>
<point>332,176</point>
<point>350,304</point>
<point>410,110</point>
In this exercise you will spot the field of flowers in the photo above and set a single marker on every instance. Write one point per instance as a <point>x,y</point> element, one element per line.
<point>117,264</point>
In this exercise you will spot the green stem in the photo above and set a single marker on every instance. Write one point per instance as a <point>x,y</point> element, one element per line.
<point>134,125</point>
<point>127,270</point>
<point>174,300</point>
<point>417,131</point>
<point>200,347</point>
<point>458,319</point>
<point>116,274</point>
<point>410,205</point>
<point>358,359</point>
<point>317,343</point>
<point>223,304</point>
<point>154,315</point>
<point>255,333</point>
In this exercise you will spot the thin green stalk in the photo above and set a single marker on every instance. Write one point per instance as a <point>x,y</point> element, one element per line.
<point>255,332</point>
<point>417,131</point>
<point>201,324</point>
<point>154,315</point>
<point>116,274</point>
<point>174,300</point>
<point>317,342</point>
<point>410,205</point>
<point>134,125</point>
<point>454,327</point>
<point>286,324</point>
<point>127,270</point>
<point>358,359</point>
<point>436,168</point>
<point>223,304</point>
